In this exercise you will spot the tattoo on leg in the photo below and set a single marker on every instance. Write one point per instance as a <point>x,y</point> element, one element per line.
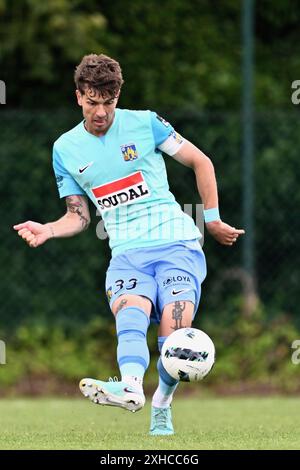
<point>121,305</point>
<point>75,206</point>
<point>177,314</point>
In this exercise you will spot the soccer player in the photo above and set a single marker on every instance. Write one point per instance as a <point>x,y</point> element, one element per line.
<point>114,157</point>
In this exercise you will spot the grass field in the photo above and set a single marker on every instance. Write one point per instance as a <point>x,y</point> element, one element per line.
<point>203,423</point>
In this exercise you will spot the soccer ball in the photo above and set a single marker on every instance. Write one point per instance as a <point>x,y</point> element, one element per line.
<point>188,354</point>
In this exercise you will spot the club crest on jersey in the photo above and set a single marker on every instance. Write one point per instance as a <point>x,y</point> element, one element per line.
<point>129,152</point>
<point>121,192</point>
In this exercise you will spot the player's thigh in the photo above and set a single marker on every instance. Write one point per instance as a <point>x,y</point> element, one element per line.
<point>176,315</point>
<point>130,287</point>
<point>130,300</point>
<point>179,276</point>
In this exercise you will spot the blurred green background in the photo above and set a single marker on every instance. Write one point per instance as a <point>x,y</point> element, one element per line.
<point>182,59</point>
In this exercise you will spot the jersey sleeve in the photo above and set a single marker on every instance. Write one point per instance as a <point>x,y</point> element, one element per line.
<point>66,184</point>
<point>165,136</point>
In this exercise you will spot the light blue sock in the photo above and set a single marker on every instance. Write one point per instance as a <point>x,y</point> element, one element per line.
<point>132,352</point>
<point>166,385</point>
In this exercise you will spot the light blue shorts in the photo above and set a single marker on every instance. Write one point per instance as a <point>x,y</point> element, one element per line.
<point>163,274</point>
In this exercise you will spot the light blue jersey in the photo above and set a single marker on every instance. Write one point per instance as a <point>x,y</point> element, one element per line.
<point>124,175</point>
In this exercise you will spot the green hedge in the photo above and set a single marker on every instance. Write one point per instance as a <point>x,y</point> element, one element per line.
<point>253,354</point>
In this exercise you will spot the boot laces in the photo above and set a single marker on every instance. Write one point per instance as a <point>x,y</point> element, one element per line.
<point>113,379</point>
<point>161,417</point>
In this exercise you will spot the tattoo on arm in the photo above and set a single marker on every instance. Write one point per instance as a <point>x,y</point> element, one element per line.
<point>121,305</point>
<point>75,206</point>
<point>177,314</point>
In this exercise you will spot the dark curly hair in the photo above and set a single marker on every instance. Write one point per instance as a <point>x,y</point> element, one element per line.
<point>100,73</point>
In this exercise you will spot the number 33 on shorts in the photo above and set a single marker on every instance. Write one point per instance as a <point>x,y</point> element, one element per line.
<point>123,284</point>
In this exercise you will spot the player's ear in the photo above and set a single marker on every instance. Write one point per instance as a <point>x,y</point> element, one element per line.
<point>79,97</point>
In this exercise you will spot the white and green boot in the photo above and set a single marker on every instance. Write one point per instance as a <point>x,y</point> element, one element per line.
<point>112,393</point>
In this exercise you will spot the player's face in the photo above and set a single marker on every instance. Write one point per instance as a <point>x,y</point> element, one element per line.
<point>98,110</point>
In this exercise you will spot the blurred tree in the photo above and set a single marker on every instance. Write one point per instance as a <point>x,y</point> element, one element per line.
<point>277,51</point>
<point>41,42</point>
<point>174,53</point>
<point>177,53</point>
<point>188,53</point>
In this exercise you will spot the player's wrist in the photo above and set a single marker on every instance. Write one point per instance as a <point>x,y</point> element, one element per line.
<point>51,232</point>
<point>211,215</point>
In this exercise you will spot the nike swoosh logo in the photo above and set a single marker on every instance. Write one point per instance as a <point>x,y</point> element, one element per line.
<point>128,390</point>
<point>176,292</point>
<point>81,170</point>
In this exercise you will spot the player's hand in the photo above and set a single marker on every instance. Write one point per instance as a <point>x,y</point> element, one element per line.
<point>33,233</point>
<point>224,233</point>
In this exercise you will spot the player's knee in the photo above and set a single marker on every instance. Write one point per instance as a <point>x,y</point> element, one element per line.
<point>127,300</point>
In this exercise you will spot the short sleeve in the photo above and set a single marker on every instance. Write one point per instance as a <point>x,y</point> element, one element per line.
<point>66,184</point>
<point>165,136</point>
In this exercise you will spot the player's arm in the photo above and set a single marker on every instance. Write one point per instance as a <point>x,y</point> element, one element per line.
<point>171,143</point>
<point>75,220</point>
<point>189,155</point>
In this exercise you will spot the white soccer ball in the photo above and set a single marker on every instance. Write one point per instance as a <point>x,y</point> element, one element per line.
<point>188,354</point>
